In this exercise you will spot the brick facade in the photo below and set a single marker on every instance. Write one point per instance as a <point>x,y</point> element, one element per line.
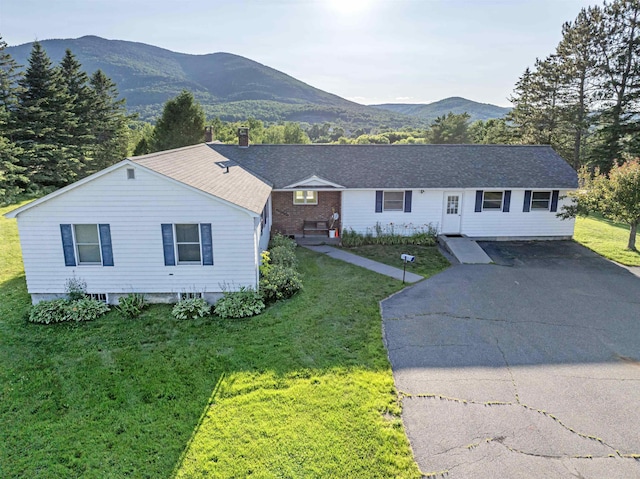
<point>289,218</point>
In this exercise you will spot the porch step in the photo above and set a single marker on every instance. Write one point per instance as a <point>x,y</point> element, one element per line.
<point>317,240</point>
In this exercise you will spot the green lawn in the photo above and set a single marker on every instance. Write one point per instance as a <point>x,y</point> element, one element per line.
<point>428,259</point>
<point>606,238</point>
<point>303,390</point>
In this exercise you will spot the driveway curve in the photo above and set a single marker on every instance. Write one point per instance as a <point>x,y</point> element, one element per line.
<point>529,367</point>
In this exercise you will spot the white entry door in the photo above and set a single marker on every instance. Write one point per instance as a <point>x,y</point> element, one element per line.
<point>452,211</point>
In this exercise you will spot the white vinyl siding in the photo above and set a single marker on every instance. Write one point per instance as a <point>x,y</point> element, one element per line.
<point>428,207</point>
<point>514,224</point>
<point>135,211</point>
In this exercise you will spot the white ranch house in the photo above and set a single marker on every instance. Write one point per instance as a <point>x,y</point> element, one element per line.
<point>194,220</point>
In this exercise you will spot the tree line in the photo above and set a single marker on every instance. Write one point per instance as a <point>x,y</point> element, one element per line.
<point>57,124</point>
<point>583,98</point>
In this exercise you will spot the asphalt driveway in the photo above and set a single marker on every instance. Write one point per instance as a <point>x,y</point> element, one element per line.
<point>528,368</point>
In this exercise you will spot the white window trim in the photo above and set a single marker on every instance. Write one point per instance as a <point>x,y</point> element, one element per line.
<point>175,245</point>
<point>501,200</point>
<point>401,209</point>
<point>76,244</point>
<point>542,210</point>
<point>306,200</point>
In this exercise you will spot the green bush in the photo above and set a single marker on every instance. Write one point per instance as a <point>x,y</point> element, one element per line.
<point>279,282</point>
<point>47,312</point>
<point>131,305</point>
<point>61,310</point>
<point>85,309</point>
<point>240,304</point>
<point>191,308</point>
<point>402,234</point>
<point>283,256</point>
<point>280,240</point>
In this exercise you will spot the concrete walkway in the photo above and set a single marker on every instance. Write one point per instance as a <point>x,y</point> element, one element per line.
<point>365,263</point>
<point>465,250</point>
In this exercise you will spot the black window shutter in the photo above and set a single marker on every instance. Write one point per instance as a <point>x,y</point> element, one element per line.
<point>167,244</point>
<point>67,245</point>
<point>105,244</point>
<point>378,201</point>
<point>554,200</point>
<point>207,244</point>
<point>526,206</point>
<point>506,204</point>
<point>478,201</point>
<point>407,201</point>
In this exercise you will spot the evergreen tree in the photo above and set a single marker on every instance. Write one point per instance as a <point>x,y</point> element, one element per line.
<point>76,83</point>
<point>181,123</point>
<point>617,41</point>
<point>43,124</point>
<point>11,173</point>
<point>108,124</point>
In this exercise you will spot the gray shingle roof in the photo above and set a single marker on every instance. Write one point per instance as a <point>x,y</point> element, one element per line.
<point>407,166</point>
<point>200,167</point>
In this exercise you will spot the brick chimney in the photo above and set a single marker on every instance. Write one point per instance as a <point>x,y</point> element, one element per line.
<point>208,134</point>
<point>243,137</point>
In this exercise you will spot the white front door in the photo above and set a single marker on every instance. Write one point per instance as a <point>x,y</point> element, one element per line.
<point>452,211</point>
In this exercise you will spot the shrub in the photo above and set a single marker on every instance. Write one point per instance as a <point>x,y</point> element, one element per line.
<point>283,256</point>
<point>279,282</point>
<point>402,234</point>
<point>75,288</point>
<point>191,308</point>
<point>85,309</point>
<point>240,304</point>
<point>47,312</point>
<point>280,240</point>
<point>131,305</point>
<point>60,310</point>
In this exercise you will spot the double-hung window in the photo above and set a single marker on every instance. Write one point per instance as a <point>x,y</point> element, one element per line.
<point>305,197</point>
<point>187,243</point>
<point>540,200</point>
<point>86,244</point>
<point>492,200</point>
<point>393,201</point>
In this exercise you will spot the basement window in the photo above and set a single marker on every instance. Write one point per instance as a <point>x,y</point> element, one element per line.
<point>98,296</point>
<point>183,296</point>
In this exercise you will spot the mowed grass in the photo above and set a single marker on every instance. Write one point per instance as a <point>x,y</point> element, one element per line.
<point>303,390</point>
<point>606,238</point>
<point>428,260</point>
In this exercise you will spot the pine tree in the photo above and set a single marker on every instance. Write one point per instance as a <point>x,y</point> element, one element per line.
<point>108,123</point>
<point>76,83</point>
<point>43,124</point>
<point>578,58</point>
<point>617,41</point>
<point>12,178</point>
<point>181,123</point>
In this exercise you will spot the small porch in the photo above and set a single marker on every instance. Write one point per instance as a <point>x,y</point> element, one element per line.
<point>309,214</point>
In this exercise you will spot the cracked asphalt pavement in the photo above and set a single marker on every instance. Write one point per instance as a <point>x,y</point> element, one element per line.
<point>529,367</point>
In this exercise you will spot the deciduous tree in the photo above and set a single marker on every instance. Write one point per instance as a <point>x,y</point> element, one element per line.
<point>181,124</point>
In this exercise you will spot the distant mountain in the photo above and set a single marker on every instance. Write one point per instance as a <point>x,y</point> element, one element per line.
<point>457,105</point>
<point>227,85</point>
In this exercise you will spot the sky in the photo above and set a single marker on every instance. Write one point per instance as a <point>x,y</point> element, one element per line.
<point>368,51</point>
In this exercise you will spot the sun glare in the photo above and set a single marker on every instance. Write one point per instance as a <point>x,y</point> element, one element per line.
<point>347,7</point>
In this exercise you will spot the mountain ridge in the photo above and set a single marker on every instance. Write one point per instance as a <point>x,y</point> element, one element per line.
<point>229,86</point>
